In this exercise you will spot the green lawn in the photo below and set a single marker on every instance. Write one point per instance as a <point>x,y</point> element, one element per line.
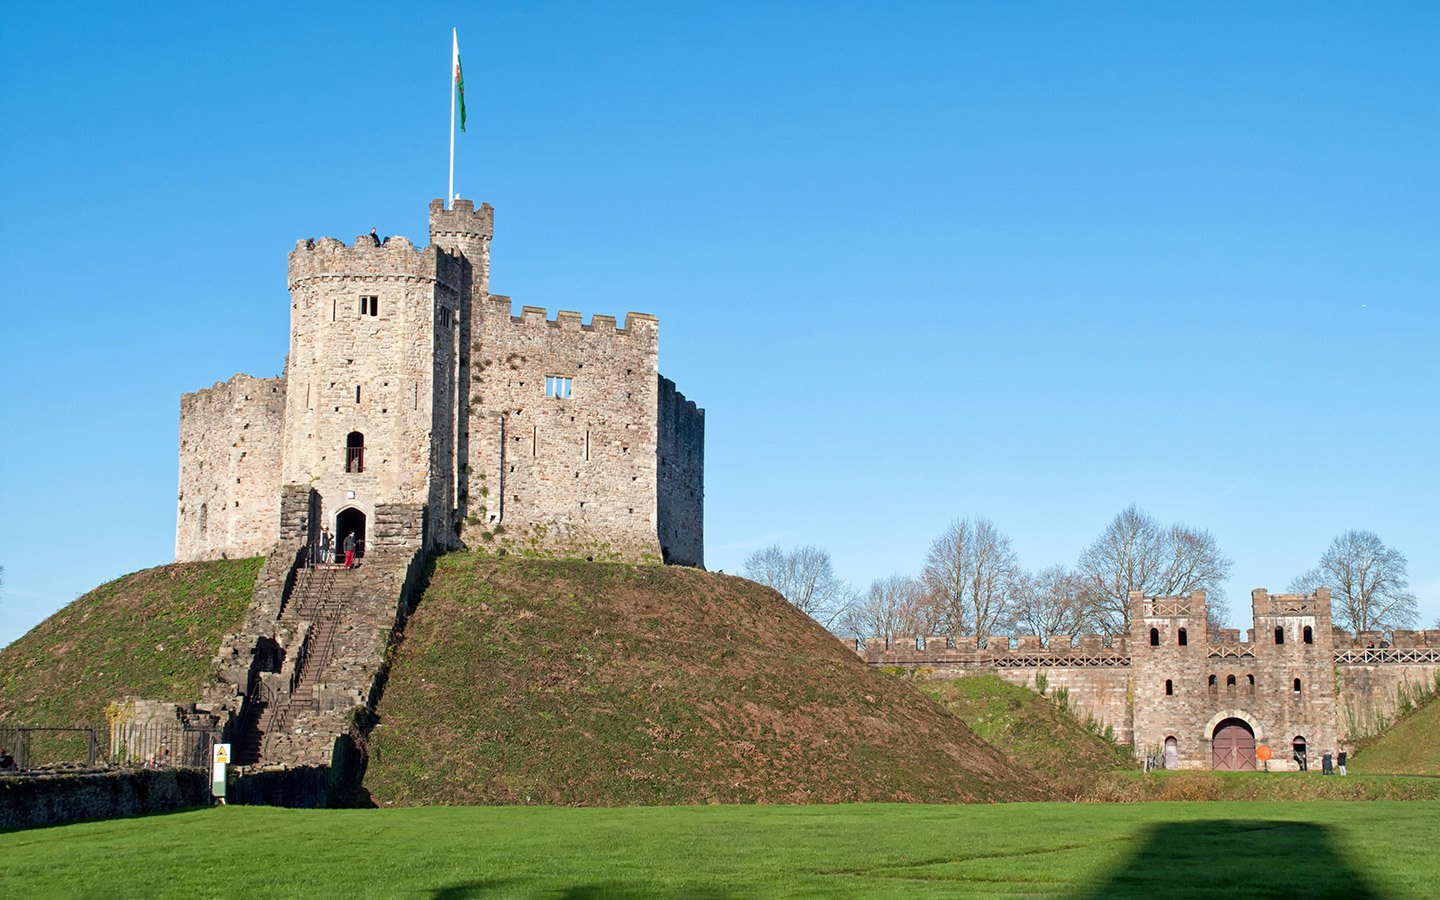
<point>1316,849</point>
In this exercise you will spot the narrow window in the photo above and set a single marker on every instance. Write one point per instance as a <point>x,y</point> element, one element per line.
<point>333,304</point>
<point>535,440</point>
<point>1213,684</point>
<point>444,317</point>
<point>309,404</point>
<point>587,445</point>
<point>1169,688</point>
<point>1308,635</point>
<point>1184,638</point>
<point>357,393</point>
<point>1250,683</point>
<point>369,305</point>
<point>1297,687</point>
<point>417,395</point>
<point>1154,637</point>
<point>355,452</point>
<point>557,386</point>
<point>1230,682</point>
<point>1279,635</point>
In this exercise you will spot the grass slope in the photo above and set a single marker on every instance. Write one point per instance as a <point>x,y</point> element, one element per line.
<point>1029,728</point>
<point>1410,746</point>
<point>1219,850</point>
<point>560,682</point>
<point>150,634</point>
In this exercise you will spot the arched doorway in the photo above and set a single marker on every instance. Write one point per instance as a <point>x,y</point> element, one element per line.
<point>350,521</point>
<point>1172,753</point>
<point>1232,747</point>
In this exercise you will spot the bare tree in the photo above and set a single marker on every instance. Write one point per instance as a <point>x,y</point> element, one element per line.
<point>1136,553</point>
<point>1368,583</point>
<point>924,613</point>
<point>882,610</point>
<point>969,573</point>
<point>1051,601</point>
<point>806,577</point>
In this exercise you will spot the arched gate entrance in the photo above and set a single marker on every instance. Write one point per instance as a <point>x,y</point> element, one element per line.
<point>1232,748</point>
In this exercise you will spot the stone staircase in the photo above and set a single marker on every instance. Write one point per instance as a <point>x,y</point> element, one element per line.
<point>310,656</point>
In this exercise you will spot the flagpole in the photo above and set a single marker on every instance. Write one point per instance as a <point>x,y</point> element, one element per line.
<point>454,54</point>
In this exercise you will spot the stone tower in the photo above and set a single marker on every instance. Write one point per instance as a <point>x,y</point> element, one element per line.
<point>415,410</point>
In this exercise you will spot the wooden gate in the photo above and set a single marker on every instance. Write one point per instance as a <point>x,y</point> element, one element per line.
<point>1233,747</point>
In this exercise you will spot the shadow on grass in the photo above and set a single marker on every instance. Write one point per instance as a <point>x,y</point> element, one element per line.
<point>1229,858</point>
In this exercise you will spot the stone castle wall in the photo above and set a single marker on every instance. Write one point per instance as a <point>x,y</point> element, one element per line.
<point>372,353</point>
<point>680,499</point>
<point>578,473</point>
<point>1168,679</point>
<point>229,499</point>
<point>1183,691</point>
<point>1094,671</point>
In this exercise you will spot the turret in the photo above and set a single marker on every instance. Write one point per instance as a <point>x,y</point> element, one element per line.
<point>466,230</point>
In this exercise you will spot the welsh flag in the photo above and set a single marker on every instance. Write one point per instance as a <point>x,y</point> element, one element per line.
<point>459,77</point>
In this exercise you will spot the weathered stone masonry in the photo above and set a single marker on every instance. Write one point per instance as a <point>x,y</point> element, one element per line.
<point>408,384</point>
<point>1165,681</point>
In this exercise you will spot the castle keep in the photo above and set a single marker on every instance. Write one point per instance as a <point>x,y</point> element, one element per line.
<point>1202,701</point>
<point>416,411</point>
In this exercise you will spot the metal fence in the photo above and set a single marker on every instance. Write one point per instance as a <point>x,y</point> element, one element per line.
<point>91,746</point>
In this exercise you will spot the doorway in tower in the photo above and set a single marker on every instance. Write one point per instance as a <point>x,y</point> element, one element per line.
<point>350,521</point>
<point>1233,746</point>
<point>1172,753</point>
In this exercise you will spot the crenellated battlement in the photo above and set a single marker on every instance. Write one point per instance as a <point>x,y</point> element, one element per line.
<point>1265,604</point>
<point>1189,606</point>
<point>239,388</point>
<point>463,221</point>
<point>996,651</point>
<point>639,324</point>
<point>394,259</point>
<point>1379,640</point>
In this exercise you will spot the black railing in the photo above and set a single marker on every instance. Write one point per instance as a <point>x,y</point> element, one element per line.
<point>50,747</point>
<point>355,460</point>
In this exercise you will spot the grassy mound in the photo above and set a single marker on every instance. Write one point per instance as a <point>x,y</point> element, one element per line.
<point>1411,746</point>
<point>151,634</point>
<point>527,681</point>
<point>1032,730</point>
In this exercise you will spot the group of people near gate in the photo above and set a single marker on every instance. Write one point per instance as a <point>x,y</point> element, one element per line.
<point>323,550</point>
<point>1329,761</point>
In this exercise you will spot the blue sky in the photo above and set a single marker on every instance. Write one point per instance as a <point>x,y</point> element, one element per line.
<point>917,261</point>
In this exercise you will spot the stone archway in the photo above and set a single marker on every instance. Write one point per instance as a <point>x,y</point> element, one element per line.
<point>1232,746</point>
<point>350,521</point>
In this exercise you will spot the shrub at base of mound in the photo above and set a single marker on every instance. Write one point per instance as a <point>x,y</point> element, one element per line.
<point>151,634</point>
<point>526,681</point>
